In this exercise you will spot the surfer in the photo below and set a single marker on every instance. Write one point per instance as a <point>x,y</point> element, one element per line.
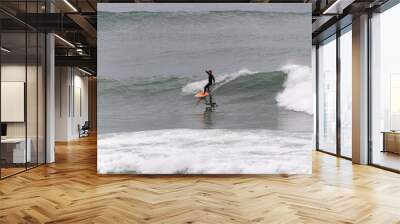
<point>211,81</point>
<point>210,104</point>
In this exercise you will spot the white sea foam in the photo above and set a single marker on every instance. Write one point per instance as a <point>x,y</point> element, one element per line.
<point>199,151</point>
<point>298,89</point>
<point>220,80</point>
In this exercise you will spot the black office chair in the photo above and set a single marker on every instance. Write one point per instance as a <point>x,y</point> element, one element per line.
<point>84,130</point>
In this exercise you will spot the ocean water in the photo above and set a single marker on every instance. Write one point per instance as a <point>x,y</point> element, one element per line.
<point>152,63</point>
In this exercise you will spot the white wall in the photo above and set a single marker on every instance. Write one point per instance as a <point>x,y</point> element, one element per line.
<point>17,73</point>
<point>33,126</point>
<point>79,117</point>
<point>70,83</point>
<point>14,73</point>
<point>62,82</point>
<point>12,101</point>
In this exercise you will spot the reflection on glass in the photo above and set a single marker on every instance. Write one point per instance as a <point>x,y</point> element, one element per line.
<point>14,150</point>
<point>346,93</point>
<point>385,95</point>
<point>22,92</point>
<point>327,95</point>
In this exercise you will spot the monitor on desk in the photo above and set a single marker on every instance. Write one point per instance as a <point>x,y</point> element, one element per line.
<point>3,130</point>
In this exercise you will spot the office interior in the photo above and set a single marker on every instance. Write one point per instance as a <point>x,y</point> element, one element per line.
<point>42,102</point>
<point>357,79</point>
<point>48,79</point>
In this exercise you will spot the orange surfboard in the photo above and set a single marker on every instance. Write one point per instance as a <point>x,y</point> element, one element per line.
<point>201,94</point>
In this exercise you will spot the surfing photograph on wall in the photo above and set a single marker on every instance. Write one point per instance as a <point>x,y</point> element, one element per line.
<point>204,88</point>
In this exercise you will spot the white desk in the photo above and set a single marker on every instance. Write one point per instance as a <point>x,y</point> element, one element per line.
<point>19,154</point>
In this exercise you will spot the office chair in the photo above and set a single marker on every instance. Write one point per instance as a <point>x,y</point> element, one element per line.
<point>84,130</point>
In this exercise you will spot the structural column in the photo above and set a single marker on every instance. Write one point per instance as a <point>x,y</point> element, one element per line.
<point>50,99</point>
<point>360,90</point>
<point>50,92</point>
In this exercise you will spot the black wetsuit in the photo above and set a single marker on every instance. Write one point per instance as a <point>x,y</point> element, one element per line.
<point>211,80</point>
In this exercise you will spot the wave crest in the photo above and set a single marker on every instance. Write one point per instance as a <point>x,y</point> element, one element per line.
<point>297,94</point>
<point>220,80</point>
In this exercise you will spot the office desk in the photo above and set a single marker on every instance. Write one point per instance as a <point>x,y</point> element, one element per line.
<point>13,150</point>
<point>391,141</point>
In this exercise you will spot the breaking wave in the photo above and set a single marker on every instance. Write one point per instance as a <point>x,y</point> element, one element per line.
<point>296,81</point>
<point>201,151</point>
<point>291,86</point>
<point>297,94</point>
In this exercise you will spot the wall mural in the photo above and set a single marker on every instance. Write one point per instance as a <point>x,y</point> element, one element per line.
<point>204,88</point>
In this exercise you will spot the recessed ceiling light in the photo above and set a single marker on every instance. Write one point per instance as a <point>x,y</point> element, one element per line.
<point>70,5</point>
<point>5,50</point>
<point>64,40</point>
<point>84,71</point>
<point>331,7</point>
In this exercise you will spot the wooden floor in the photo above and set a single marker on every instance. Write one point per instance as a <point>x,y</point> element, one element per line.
<point>5,172</point>
<point>387,159</point>
<point>70,191</point>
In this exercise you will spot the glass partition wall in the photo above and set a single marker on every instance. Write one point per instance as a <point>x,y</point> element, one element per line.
<point>13,90</point>
<point>334,105</point>
<point>22,98</point>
